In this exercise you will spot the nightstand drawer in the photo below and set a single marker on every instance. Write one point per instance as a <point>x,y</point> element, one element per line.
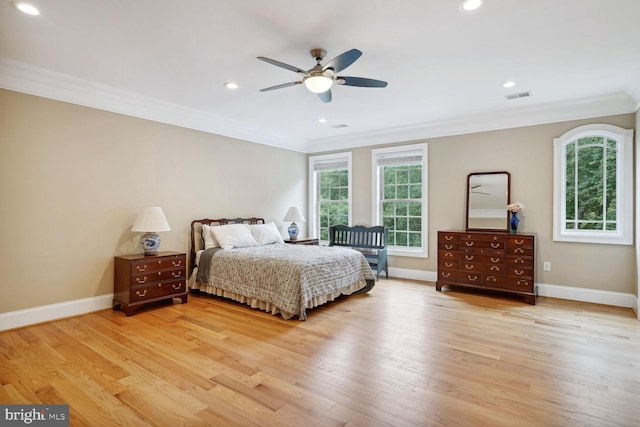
<point>147,265</point>
<point>157,289</point>
<point>157,276</point>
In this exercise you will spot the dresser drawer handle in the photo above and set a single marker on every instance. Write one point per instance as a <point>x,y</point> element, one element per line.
<point>448,264</point>
<point>519,242</point>
<point>448,255</point>
<point>448,238</point>
<point>519,261</point>
<point>144,268</point>
<point>519,251</point>
<point>469,244</point>
<point>473,279</point>
<point>519,272</point>
<point>444,274</point>
<point>468,257</point>
<point>176,273</point>
<point>139,280</point>
<point>495,259</point>
<point>495,268</point>
<point>468,266</point>
<point>491,279</point>
<point>176,286</point>
<point>176,263</point>
<point>495,245</point>
<point>448,247</point>
<point>522,283</point>
<point>141,294</point>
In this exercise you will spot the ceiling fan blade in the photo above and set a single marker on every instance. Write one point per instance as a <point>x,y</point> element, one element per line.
<point>361,82</point>
<point>283,65</point>
<point>280,86</point>
<point>325,96</point>
<point>342,61</point>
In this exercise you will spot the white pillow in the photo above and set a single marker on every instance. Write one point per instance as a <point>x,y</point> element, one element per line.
<point>265,234</point>
<point>233,236</point>
<point>209,239</point>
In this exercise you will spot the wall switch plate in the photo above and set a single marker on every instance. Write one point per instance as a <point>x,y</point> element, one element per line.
<point>547,266</point>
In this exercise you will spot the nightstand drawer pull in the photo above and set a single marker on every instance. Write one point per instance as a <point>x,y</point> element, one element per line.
<point>141,280</point>
<point>141,294</point>
<point>177,286</point>
<point>519,272</point>
<point>144,268</point>
<point>522,282</point>
<point>176,263</point>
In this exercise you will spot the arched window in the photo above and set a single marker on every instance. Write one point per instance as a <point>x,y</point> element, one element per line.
<point>593,185</point>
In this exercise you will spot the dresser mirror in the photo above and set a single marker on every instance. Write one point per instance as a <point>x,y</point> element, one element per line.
<point>488,194</point>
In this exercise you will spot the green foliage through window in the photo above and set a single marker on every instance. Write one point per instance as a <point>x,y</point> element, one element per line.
<point>402,204</point>
<point>333,200</point>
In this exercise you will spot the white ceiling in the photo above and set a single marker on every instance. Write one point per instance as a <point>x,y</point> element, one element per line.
<point>168,60</point>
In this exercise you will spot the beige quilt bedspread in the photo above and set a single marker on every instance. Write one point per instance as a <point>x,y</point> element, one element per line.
<point>288,278</point>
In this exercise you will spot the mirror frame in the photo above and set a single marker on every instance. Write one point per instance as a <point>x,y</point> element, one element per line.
<point>506,222</point>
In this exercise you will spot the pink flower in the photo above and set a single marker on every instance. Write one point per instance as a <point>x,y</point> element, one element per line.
<point>515,207</point>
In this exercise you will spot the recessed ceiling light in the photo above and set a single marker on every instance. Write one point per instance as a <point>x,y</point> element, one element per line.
<point>469,5</point>
<point>322,120</point>
<point>508,84</point>
<point>231,85</point>
<point>26,8</point>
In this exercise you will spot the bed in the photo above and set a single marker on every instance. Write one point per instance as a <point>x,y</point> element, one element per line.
<point>246,260</point>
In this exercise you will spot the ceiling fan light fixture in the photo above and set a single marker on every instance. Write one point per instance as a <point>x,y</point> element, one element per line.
<point>318,83</point>
<point>469,5</point>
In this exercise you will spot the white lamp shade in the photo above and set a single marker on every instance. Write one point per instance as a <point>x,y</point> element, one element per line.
<point>294,215</point>
<point>151,219</point>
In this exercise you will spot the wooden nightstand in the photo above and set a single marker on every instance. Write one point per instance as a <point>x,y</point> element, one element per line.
<point>140,279</point>
<point>311,242</point>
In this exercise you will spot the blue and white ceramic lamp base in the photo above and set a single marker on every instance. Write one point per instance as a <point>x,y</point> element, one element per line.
<point>150,243</point>
<point>293,231</point>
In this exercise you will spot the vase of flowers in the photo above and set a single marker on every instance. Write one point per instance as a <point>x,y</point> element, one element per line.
<point>515,209</point>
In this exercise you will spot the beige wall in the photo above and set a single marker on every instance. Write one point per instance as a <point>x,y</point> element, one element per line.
<point>527,153</point>
<point>72,180</point>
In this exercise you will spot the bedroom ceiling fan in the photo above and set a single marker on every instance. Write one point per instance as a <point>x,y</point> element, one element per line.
<point>320,79</point>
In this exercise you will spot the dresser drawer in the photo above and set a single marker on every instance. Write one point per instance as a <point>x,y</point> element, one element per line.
<point>157,276</point>
<point>157,289</point>
<point>481,244</point>
<point>163,263</point>
<point>444,236</point>
<point>446,263</point>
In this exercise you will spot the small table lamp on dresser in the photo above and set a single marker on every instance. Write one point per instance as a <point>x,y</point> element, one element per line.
<point>293,215</point>
<point>150,221</point>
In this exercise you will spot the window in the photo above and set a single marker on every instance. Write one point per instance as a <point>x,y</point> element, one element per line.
<point>593,194</point>
<point>329,193</point>
<point>399,177</point>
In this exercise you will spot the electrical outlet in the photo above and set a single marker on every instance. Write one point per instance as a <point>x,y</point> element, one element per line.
<point>547,266</point>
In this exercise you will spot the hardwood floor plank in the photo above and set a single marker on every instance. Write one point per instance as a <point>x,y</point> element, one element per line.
<point>402,355</point>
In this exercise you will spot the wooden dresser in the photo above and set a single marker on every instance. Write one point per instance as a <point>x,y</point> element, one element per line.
<point>140,279</point>
<point>499,262</point>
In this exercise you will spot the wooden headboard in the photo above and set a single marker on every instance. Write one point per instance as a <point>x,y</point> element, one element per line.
<point>197,242</point>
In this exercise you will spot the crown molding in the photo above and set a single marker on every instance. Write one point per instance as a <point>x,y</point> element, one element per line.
<point>584,108</point>
<point>36,81</point>
<point>32,80</point>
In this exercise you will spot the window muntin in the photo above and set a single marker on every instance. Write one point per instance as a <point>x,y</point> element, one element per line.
<point>593,185</point>
<point>400,197</point>
<point>329,193</point>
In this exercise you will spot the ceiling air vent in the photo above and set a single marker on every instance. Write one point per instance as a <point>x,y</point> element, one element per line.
<point>340,126</point>
<point>518,95</point>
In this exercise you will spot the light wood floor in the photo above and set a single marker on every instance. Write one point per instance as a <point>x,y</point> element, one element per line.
<point>403,355</point>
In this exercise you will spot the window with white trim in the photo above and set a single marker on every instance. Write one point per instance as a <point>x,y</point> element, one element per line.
<point>399,196</point>
<point>329,193</point>
<point>593,185</point>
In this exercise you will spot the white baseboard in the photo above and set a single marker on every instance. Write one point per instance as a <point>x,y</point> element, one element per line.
<point>617,299</point>
<point>47,313</point>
